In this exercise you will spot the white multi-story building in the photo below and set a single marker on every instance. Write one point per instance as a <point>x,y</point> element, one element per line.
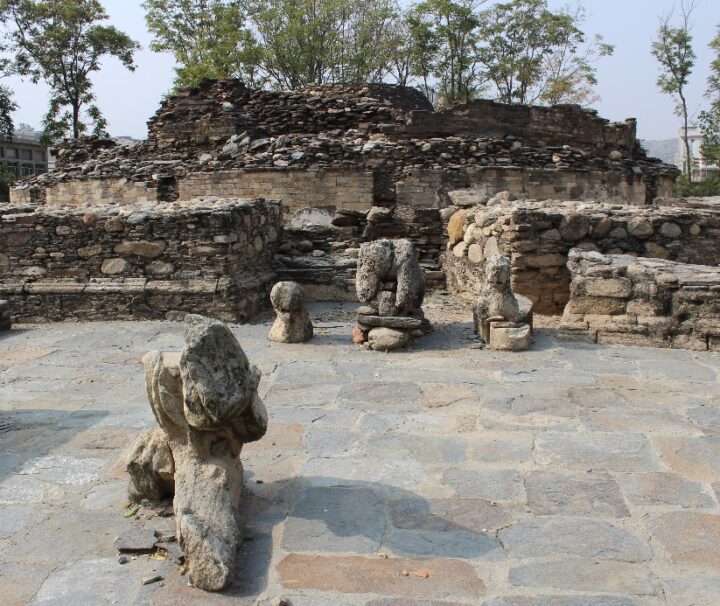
<point>700,168</point>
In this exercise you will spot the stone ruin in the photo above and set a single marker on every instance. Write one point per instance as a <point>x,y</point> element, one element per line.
<point>391,284</point>
<point>237,189</point>
<point>206,404</point>
<point>502,318</point>
<point>292,323</point>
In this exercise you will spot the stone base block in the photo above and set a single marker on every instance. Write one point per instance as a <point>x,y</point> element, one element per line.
<point>387,339</point>
<point>508,336</point>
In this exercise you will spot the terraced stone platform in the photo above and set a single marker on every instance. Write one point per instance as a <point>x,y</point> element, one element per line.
<point>571,474</point>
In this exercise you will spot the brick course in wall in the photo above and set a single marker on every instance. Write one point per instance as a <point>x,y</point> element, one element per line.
<point>639,301</point>
<point>538,236</point>
<point>141,261</point>
<point>334,189</point>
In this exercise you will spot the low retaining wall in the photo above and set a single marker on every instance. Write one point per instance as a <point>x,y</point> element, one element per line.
<point>635,301</point>
<point>152,261</point>
<point>537,237</point>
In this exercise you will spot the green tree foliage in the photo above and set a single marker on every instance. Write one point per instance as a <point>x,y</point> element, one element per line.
<point>445,37</point>
<point>207,38</point>
<point>673,50</point>
<point>710,119</point>
<point>62,42</point>
<point>532,54</point>
<point>321,41</point>
<point>7,107</point>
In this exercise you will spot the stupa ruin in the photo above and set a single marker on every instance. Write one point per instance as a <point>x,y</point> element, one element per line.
<point>236,189</point>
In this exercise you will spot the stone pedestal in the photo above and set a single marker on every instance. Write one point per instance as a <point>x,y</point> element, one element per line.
<point>4,315</point>
<point>509,336</point>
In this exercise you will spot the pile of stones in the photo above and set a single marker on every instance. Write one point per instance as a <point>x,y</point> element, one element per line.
<point>391,284</point>
<point>4,315</point>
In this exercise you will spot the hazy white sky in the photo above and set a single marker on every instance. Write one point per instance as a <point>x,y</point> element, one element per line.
<point>626,80</point>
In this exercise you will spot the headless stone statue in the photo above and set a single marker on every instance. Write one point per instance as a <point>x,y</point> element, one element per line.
<point>206,404</point>
<point>391,283</point>
<point>498,306</point>
<point>292,324</point>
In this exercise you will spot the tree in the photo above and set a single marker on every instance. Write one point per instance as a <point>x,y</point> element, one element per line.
<point>62,42</point>
<point>532,54</point>
<point>322,41</point>
<point>445,35</point>
<point>710,119</point>
<point>674,52</point>
<point>207,38</point>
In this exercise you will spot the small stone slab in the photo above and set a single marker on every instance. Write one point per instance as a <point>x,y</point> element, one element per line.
<point>587,574</point>
<point>689,538</point>
<point>407,578</point>
<point>136,540</point>
<point>398,322</point>
<point>537,538</point>
<point>589,494</point>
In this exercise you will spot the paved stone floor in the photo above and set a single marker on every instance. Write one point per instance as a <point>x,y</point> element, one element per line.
<point>569,475</point>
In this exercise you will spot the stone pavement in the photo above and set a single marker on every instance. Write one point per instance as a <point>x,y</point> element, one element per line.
<point>569,475</point>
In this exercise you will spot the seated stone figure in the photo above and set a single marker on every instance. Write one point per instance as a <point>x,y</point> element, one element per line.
<point>206,403</point>
<point>292,324</point>
<point>503,319</point>
<point>391,283</point>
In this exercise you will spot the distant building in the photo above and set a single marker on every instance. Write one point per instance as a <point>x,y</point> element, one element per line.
<point>24,155</point>
<point>700,169</point>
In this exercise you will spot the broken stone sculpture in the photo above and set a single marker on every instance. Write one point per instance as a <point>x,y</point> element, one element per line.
<point>391,284</point>
<point>502,318</point>
<point>206,403</point>
<point>292,324</point>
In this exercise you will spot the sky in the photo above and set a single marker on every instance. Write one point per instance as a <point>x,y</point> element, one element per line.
<point>627,80</point>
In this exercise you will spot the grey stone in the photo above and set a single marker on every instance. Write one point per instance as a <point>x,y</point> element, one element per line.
<point>491,484</point>
<point>336,520</point>
<point>574,537</point>
<point>663,488</point>
<point>151,467</point>
<point>559,600</point>
<point>399,322</point>
<point>463,544</point>
<point>137,539</point>
<point>589,494</point>
<point>616,451</point>
<point>13,519</point>
<point>587,575</point>
<point>292,324</point>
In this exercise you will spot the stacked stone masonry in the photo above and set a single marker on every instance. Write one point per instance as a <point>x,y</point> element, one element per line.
<point>141,261</point>
<point>537,236</point>
<point>639,301</point>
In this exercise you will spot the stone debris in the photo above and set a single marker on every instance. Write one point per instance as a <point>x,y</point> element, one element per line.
<point>639,301</point>
<point>205,400</point>
<point>136,540</point>
<point>292,324</point>
<point>498,315</point>
<point>391,283</point>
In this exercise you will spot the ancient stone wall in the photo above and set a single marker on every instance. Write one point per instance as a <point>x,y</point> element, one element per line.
<point>556,125</point>
<point>640,301</point>
<point>537,236</point>
<point>331,189</point>
<point>429,188</point>
<point>141,261</point>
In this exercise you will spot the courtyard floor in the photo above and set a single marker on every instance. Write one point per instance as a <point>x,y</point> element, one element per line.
<point>569,475</point>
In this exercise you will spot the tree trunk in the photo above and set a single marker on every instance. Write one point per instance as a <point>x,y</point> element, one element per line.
<point>686,139</point>
<point>76,120</point>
